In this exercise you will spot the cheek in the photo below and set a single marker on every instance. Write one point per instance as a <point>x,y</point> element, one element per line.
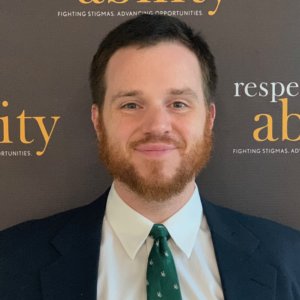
<point>191,129</point>
<point>119,133</point>
<point>126,127</point>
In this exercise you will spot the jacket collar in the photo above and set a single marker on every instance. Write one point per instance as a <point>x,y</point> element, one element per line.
<point>243,274</point>
<point>78,246</point>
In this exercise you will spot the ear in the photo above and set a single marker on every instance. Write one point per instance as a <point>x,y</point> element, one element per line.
<point>211,114</point>
<point>95,114</point>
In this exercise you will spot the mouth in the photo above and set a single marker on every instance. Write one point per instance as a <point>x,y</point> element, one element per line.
<point>155,149</point>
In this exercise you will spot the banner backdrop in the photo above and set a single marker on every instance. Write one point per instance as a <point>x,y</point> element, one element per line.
<point>48,155</point>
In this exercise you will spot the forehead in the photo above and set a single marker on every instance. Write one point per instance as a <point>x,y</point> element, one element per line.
<point>168,64</point>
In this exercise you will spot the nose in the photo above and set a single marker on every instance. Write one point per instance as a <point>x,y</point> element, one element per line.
<point>156,121</point>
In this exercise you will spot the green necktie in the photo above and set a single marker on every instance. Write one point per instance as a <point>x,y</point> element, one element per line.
<point>162,280</point>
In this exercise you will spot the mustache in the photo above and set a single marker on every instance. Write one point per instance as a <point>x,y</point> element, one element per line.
<point>165,139</point>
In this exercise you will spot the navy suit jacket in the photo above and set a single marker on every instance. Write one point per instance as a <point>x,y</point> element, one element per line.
<point>56,258</point>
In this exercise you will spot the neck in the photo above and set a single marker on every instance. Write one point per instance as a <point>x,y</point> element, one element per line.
<point>155,211</point>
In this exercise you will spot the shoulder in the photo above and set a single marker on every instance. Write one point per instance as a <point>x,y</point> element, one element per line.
<point>33,230</point>
<point>279,245</point>
<point>260,226</point>
<point>31,239</point>
<point>30,247</point>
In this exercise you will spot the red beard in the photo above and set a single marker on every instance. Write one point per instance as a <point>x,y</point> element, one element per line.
<point>155,187</point>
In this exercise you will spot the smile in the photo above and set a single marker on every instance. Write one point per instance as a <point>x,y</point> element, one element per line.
<point>155,150</point>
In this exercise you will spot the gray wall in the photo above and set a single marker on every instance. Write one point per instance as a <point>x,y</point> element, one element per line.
<point>44,66</point>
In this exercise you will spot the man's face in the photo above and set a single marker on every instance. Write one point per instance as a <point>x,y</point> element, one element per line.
<point>155,129</point>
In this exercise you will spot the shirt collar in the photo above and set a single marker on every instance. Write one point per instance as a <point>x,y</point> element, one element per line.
<point>184,225</point>
<point>132,229</point>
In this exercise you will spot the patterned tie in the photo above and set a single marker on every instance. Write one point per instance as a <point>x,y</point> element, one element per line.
<point>162,280</point>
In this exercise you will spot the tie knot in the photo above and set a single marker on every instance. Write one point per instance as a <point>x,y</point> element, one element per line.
<point>159,231</point>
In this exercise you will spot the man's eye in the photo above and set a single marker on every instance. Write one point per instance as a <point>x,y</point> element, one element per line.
<point>179,105</point>
<point>130,106</point>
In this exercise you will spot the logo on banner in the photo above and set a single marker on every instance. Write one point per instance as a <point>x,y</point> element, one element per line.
<point>279,94</point>
<point>211,12</point>
<point>14,130</point>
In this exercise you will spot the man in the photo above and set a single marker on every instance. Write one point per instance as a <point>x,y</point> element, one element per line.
<point>150,236</point>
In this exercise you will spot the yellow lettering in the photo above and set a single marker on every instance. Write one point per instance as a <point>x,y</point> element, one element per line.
<point>91,1</point>
<point>117,2</point>
<point>285,121</point>
<point>268,127</point>
<point>44,132</point>
<point>23,118</point>
<point>199,1</point>
<point>6,139</point>
<point>162,1</point>
<point>213,12</point>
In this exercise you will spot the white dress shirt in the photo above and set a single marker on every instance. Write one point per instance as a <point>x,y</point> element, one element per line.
<point>125,247</point>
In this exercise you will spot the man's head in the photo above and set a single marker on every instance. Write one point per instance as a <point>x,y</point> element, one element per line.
<point>145,31</point>
<point>154,120</point>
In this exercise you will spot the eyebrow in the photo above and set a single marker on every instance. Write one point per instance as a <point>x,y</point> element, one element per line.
<point>184,92</point>
<point>124,94</point>
<point>172,92</point>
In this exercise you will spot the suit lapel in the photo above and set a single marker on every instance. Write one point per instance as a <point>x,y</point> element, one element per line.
<point>74,274</point>
<point>243,275</point>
